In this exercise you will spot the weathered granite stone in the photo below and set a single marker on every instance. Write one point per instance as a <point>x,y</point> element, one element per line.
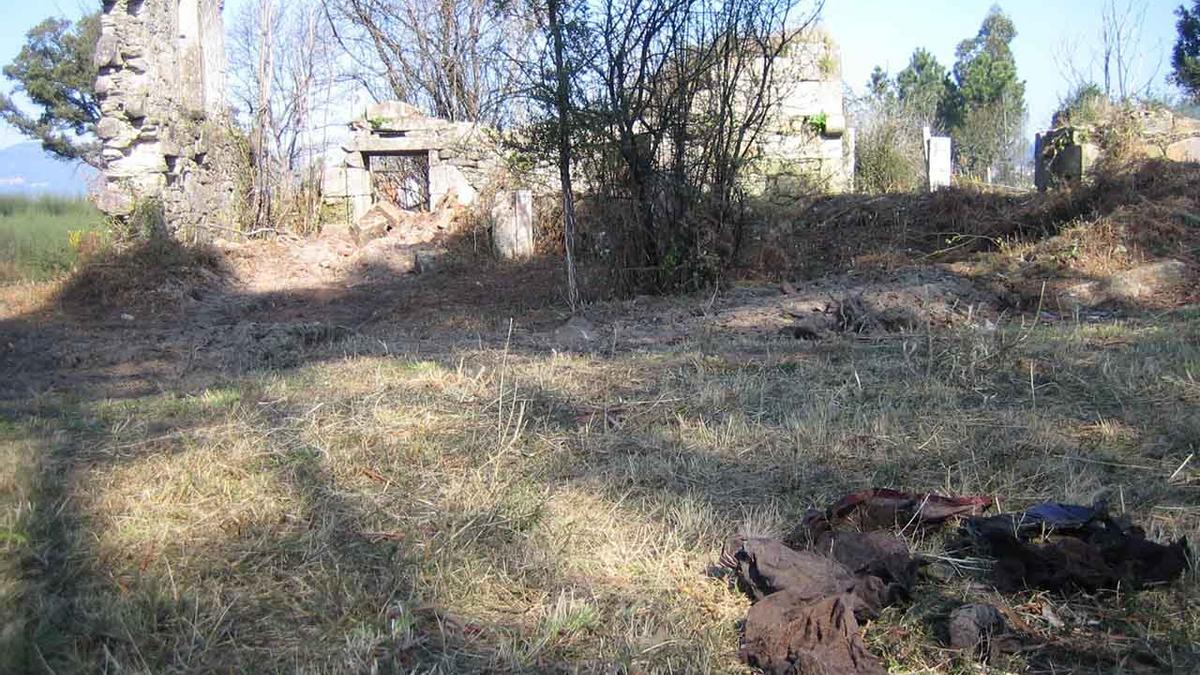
<point>512,224</point>
<point>939,165</point>
<point>376,222</point>
<point>165,125</point>
<point>805,144</point>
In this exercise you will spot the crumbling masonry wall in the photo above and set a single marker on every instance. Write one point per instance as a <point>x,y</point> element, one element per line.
<point>165,128</point>
<point>805,146</point>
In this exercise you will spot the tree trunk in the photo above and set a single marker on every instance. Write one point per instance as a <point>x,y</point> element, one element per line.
<point>562,101</point>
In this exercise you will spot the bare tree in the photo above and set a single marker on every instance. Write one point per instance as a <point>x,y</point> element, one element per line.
<point>562,104</point>
<point>685,89</point>
<point>282,63</point>
<point>1121,49</point>
<point>446,56</point>
<point>1120,58</point>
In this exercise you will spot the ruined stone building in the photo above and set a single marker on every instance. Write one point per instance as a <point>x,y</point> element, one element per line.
<point>1064,155</point>
<point>805,146</point>
<point>165,128</point>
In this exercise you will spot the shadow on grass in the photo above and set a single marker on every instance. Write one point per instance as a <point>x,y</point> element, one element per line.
<point>352,565</point>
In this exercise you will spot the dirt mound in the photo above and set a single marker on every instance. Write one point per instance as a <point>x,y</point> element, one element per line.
<point>152,277</point>
<point>1022,246</point>
<point>906,300</point>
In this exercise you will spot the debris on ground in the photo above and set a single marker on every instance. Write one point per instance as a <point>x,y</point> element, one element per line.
<point>981,630</point>
<point>577,335</point>
<point>905,300</point>
<point>381,218</point>
<point>806,617</point>
<point>274,345</point>
<point>879,508</point>
<point>1063,547</point>
<point>785,634</point>
<point>844,565</point>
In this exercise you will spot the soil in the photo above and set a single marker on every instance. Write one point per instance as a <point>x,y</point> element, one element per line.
<point>131,319</point>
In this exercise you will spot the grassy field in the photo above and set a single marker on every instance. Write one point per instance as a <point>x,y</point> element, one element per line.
<point>34,235</point>
<point>483,509</point>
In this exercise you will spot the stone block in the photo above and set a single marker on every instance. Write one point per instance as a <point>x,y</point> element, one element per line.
<point>108,51</point>
<point>939,165</point>
<point>340,181</point>
<point>512,224</point>
<point>426,260</point>
<point>380,219</point>
<point>392,110</point>
<point>1186,150</point>
<point>112,199</point>
<point>448,180</point>
<point>109,127</point>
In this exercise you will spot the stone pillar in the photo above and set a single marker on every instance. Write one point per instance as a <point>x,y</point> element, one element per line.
<point>348,185</point>
<point>1041,178</point>
<point>938,164</point>
<point>164,127</point>
<point>512,224</point>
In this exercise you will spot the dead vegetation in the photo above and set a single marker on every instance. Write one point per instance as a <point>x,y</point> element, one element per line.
<point>1125,217</point>
<point>414,472</point>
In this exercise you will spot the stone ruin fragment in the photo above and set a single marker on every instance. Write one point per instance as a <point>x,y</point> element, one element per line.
<point>164,124</point>
<point>460,161</point>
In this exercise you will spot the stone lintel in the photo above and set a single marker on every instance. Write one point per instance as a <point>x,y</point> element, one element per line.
<point>376,145</point>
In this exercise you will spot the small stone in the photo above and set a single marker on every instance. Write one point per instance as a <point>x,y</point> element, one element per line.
<point>980,629</point>
<point>425,262</point>
<point>577,334</point>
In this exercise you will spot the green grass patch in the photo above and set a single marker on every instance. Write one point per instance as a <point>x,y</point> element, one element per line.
<point>36,241</point>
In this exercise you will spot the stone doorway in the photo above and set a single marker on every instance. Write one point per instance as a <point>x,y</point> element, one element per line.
<point>401,179</point>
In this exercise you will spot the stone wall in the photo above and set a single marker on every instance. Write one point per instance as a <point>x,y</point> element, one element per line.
<point>1064,155</point>
<point>165,128</point>
<point>805,146</point>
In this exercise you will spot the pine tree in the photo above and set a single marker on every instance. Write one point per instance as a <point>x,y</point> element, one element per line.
<point>986,115</point>
<point>54,70</point>
<point>924,87</point>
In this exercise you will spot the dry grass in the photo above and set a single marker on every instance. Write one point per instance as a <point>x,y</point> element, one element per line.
<point>1150,209</point>
<point>495,509</point>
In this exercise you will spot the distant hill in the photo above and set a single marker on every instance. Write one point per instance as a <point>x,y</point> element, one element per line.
<point>27,169</point>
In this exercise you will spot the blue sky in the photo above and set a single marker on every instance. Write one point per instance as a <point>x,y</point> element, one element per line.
<point>870,32</point>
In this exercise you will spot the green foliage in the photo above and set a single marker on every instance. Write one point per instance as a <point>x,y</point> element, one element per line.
<point>888,155</point>
<point>54,69</point>
<point>924,87</point>
<point>41,237</point>
<point>147,222</point>
<point>1085,105</point>
<point>986,112</point>
<point>1185,57</point>
<point>816,123</point>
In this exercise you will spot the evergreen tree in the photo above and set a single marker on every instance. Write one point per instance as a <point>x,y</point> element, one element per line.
<point>880,85</point>
<point>986,115</point>
<point>925,89</point>
<point>54,69</point>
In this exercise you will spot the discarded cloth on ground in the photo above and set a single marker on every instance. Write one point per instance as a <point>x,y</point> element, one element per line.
<point>787,634</point>
<point>1068,547</point>
<point>878,508</point>
<point>809,602</point>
